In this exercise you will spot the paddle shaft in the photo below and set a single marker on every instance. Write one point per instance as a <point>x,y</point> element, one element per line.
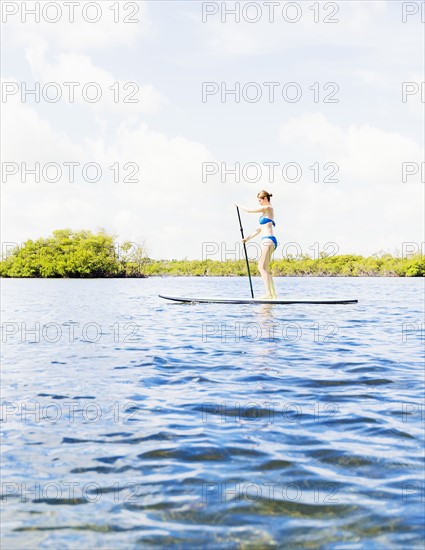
<point>246,254</point>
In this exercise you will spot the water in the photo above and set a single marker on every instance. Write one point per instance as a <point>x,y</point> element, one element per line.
<point>130,422</point>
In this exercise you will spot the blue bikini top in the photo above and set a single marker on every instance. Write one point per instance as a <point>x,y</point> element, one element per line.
<point>264,220</point>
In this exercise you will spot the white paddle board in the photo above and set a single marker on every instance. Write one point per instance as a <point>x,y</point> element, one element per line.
<point>186,299</point>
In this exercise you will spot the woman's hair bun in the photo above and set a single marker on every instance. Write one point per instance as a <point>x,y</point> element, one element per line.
<point>264,194</point>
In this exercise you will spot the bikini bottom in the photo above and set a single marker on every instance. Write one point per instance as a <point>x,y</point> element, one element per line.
<point>273,239</point>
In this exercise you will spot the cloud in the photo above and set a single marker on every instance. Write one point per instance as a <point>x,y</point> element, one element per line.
<point>30,137</point>
<point>370,207</point>
<point>314,129</point>
<point>115,96</point>
<point>358,220</point>
<point>365,154</point>
<point>158,208</point>
<point>283,28</point>
<point>77,32</point>
<point>414,85</point>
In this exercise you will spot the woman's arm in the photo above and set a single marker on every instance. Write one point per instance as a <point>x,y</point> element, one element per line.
<point>246,239</point>
<point>252,211</point>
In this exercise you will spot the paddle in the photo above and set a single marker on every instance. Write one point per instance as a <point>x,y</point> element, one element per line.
<point>246,254</point>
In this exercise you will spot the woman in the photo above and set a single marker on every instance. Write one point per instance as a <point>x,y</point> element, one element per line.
<point>269,242</point>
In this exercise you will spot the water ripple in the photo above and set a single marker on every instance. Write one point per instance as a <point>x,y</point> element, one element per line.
<point>207,430</point>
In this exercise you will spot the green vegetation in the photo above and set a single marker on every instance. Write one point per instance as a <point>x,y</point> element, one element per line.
<point>82,254</point>
<point>332,266</point>
<point>77,254</point>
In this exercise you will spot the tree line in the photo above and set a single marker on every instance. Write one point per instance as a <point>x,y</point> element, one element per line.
<point>83,254</point>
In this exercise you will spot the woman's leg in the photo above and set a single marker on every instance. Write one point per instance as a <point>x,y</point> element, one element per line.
<point>273,291</point>
<point>274,296</point>
<point>263,268</point>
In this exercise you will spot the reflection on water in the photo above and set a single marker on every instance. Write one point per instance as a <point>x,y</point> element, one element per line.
<point>129,422</point>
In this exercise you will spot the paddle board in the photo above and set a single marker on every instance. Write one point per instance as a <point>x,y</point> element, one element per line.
<point>186,299</point>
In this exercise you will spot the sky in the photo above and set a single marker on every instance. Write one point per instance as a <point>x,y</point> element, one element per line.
<point>151,119</point>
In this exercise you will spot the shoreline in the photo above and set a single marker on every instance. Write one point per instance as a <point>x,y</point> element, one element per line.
<point>170,275</point>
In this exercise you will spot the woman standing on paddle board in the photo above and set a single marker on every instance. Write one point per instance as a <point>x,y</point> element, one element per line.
<point>269,242</point>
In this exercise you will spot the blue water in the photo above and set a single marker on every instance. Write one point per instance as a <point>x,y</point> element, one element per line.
<point>130,422</point>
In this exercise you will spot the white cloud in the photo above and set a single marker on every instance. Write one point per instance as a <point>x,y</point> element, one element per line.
<point>30,137</point>
<point>151,210</point>
<point>374,79</point>
<point>79,68</point>
<point>415,86</point>
<point>81,34</point>
<point>370,207</point>
<point>316,130</point>
<point>355,23</point>
<point>365,154</point>
<point>359,220</point>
